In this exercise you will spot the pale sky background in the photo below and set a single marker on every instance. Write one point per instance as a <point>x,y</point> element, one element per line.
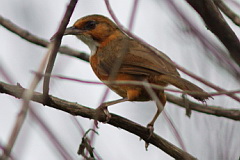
<point>205,137</point>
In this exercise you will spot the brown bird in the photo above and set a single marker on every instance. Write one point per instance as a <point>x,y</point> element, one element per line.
<point>117,57</point>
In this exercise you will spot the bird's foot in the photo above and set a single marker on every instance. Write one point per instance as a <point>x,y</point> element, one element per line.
<point>99,111</point>
<point>150,130</point>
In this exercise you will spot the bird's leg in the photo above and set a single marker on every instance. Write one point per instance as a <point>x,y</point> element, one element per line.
<point>103,108</point>
<point>132,94</point>
<point>160,105</point>
<point>160,102</point>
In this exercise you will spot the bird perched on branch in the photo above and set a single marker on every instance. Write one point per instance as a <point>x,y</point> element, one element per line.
<point>117,57</point>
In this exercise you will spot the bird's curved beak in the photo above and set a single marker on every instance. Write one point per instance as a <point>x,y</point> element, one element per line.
<point>72,31</point>
<point>69,31</point>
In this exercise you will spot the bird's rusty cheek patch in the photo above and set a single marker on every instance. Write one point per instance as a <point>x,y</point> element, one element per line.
<point>100,33</point>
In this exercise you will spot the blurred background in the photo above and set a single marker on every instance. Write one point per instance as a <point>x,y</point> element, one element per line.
<point>156,22</point>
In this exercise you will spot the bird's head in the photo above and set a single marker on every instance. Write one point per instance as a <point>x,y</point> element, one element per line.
<point>93,30</point>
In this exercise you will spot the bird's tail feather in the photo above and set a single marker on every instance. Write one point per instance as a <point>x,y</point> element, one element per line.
<point>185,85</point>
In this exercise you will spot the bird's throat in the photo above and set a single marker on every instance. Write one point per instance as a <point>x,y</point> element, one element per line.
<point>90,42</point>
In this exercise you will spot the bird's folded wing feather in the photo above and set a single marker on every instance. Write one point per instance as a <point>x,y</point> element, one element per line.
<point>136,59</point>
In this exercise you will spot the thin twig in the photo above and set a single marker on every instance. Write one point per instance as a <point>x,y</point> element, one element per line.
<point>175,130</point>
<point>40,41</point>
<point>34,116</point>
<point>207,83</point>
<point>220,54</point>
<point>154,96</point>
<point>95,123</point>
<point>133,15</point>
<point>27,95</point>
<point>228,12</point>
<point>225,92</point>
<point>57,39</point>
<point>82,132</point>
<point>52,138</point>
<point>233,114</point>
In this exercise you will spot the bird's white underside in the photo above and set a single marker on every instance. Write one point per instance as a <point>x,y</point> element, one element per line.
<point>90,42</point>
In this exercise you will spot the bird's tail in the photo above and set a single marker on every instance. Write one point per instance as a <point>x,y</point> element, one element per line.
<point>185,85</point>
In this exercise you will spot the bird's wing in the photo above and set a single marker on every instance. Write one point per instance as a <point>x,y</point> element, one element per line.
<point>136,59</point>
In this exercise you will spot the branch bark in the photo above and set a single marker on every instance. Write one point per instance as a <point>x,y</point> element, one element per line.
<point>56,42</point>
<point>218,26</point>
<point>228,12</point>
<point>117,121</point>
<point>233,114</point>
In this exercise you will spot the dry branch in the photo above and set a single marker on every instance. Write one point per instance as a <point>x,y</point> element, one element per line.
<point>228,12</point>
<point>117,121</point>
<point>233,114</point>
<point>56,42</point>
<point>40,41</point>
<point>218,26</point>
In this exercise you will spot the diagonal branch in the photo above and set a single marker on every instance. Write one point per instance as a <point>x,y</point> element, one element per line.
<point>56,42</point>
<point>228,12</point>
<point>39,41</point>
<point>26,96</point>
<point>218,52</point>
<point>218,26</point>
<point>117,121</point>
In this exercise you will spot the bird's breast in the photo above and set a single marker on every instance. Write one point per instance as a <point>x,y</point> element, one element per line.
<point>95,64</point>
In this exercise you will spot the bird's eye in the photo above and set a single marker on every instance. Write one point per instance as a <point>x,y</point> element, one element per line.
<point>89,25</point>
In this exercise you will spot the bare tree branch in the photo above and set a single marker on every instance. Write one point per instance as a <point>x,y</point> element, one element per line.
<point>217,25</point>
<point>220,54</point>
<point>40,41</point>
<point>133,14</point>
<point>34,115</point>
<point>228,12</point>
<point>27,95</point>
<point>117,121</point>
<point>56,41</point>
<point>233,114</point>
